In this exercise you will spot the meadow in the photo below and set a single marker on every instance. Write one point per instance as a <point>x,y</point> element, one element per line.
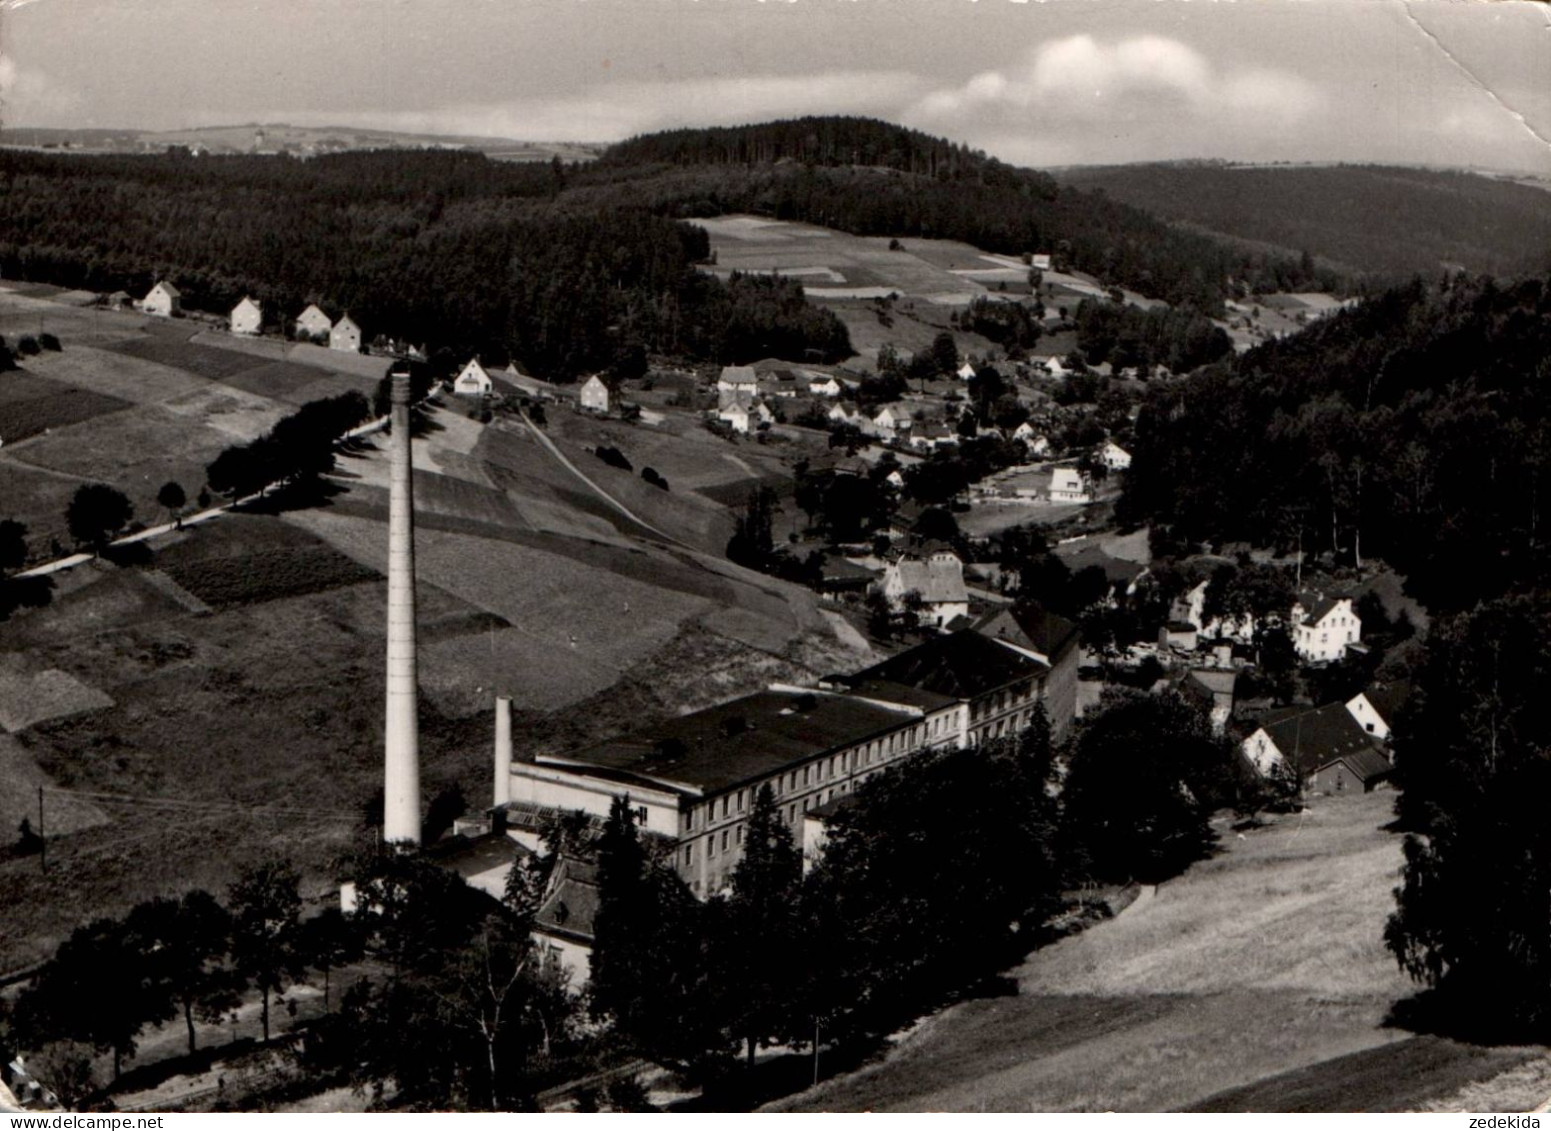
<point>1255,981</point>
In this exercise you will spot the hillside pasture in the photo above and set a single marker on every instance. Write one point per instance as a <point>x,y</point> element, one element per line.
<point>31,404</point>
<point>245,559</point>
<point>169,345</point>
<point>136,450</point>
<point>35,498</point>
<point>29,694</point>
<point>108,373</point>
<point>73,324</point>
<point>275,379</point>
<point>237,415</point>
<point>1264,963</point>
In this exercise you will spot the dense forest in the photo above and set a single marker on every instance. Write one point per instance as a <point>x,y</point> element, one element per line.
<point>872,178</point>
<point>1384,222</point>
<point>571,268</point>
<point>443,248</point>
<point>1411,427</point>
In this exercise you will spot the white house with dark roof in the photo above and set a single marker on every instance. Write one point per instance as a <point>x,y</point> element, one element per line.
<point>1324,747</point>
<point>966,372</point>
<point>1377,708</point>
<point>473,380</point>
<point>738,379</point>
<point>1114,457</point>
<point>1069,485</point>
<point>823,385</point>
<point>163,300</point>
<point>313,323</point>
<point>345,335</point>
<point>938,579</point>
<point>1323,627</point>
<point>247,316</point>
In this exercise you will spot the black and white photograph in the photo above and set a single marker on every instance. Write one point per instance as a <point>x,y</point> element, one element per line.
<point>782,556</point>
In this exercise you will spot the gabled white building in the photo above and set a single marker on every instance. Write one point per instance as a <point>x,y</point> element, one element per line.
<point>247,316</point>
<point>163,300</point>
<point>966,372</point>
<point>1114,457</point>
<point>1068,485</point>
<point>1323,627</point>
<point>594,394</point>
<point>823,385</point>
<point>345,335</point>
<point>738,379</point>
<point>473,380</point>
<point>313,323</point>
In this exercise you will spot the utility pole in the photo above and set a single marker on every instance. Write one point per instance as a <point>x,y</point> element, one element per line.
<point>42,835</point>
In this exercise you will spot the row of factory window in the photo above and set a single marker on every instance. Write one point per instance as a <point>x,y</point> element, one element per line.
<point>730,839</point>
<point>1007,697</point>
<point>824,769</point>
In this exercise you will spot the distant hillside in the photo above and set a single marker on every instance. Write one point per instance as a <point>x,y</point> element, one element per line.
<point>869,177</point>
<point>270,137</point>
<point>1370,218</point>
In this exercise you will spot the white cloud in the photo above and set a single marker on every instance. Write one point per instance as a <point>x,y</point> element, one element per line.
<point>1151,93</point>
<point>28,97</point>
<point>616,111</point>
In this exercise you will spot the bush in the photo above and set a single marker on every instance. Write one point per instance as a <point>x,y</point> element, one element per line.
<point>27,345</point>
<point>613,457</point>
<point>49,342</point>
<point>651,476</point>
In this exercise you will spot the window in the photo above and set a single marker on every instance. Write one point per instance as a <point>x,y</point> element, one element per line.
<point>740,800</point>
<point>689,820</point>
<point>710,847</point>
<point>805,775</point>
<point>724,840</point>
<point>640,814</point>
<point>791,814</point>
<point>689,856</point>
<point>740,834</point>
<point>725,800</point>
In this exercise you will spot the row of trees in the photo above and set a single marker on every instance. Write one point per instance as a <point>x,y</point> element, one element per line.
<point>297,451</point>
<point>936,876</point>
<point>451,1005</point>
<point>1126,336</point>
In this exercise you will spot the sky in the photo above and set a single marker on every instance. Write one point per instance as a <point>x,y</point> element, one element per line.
<point>1463,83</point>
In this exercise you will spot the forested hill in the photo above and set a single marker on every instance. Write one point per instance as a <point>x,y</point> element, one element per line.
<point>444,248</point>
<point>1415,427</point>
<point>873,178</point>
<point>1373,219</point>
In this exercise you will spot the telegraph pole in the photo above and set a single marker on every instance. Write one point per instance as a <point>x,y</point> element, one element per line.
<point>42,835</point>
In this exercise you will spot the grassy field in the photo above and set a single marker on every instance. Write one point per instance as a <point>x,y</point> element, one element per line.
<point>1257,981</point>
<point>31,404</point>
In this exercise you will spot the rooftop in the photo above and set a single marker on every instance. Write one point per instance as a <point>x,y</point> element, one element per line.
<point>737,375</point>
<point>938,581</point>
<point>959,665</point>
<point>739,741</point>
<point>1316,736</point>
<point>570,907</point>
<point>1033,627</point>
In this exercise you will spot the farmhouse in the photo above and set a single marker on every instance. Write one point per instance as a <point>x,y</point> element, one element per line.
<point>1323,627</point>
<point>163,300</point>
<point>313,323</point>
<point>473,380</point>
<point>345,335</point>
<point>938,580</point>
<point>930,436</point>
<point>247,316</point>
<point>1324,746</point>
<point>594,394</point>
<point>847,414</point>
<point>691,781</point>
<point>888,420</point>
<point>1069,485</point>
<point>823,385</point>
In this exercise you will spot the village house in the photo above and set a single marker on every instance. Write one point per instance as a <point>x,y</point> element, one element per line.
<point>345,335</point>
<point>1323,627</point>
<point>1114,457</point>
<point>938,579</point>
<point>1040,262</point>
<point>1053,640</point>
<point>823,385</point>
<point>594,394</point>
<point>1213,688</point>
<point>782,384</point>
<point>888,421</point>
<point>1055,366</point>
<point>1121,574</point>
<point>846,414</point>
<point>1325,747</point>
<point>313,323</point>
<point>931,435</point>
<point>1069,485</point>
<point>247,317</point>
<point>473,380</point>
<point>163,300</point>
<point>966,372</point>
<point>1189,609</point>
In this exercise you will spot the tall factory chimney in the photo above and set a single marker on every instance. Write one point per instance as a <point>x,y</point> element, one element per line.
<point>401,773</point>
<point>503,750</point>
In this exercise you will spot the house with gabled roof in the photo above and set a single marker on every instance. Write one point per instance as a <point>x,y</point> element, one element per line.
<point>1325,747</point>
<point>1069,485</point>
<point>594,394</point>
<point>473,380</point>
<point>738,379</point>
<point>1323,627</point>
<point>313,323</point>
<point>1377,708</point>
<point>1050,638</point>
<point>938,578</point>
<point>345,335</point>
<point>163,300</point>
<point>247,316</point>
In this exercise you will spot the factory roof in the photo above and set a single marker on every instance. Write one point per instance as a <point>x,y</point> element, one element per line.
<point>740,741</point>
<point>960,665</point>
